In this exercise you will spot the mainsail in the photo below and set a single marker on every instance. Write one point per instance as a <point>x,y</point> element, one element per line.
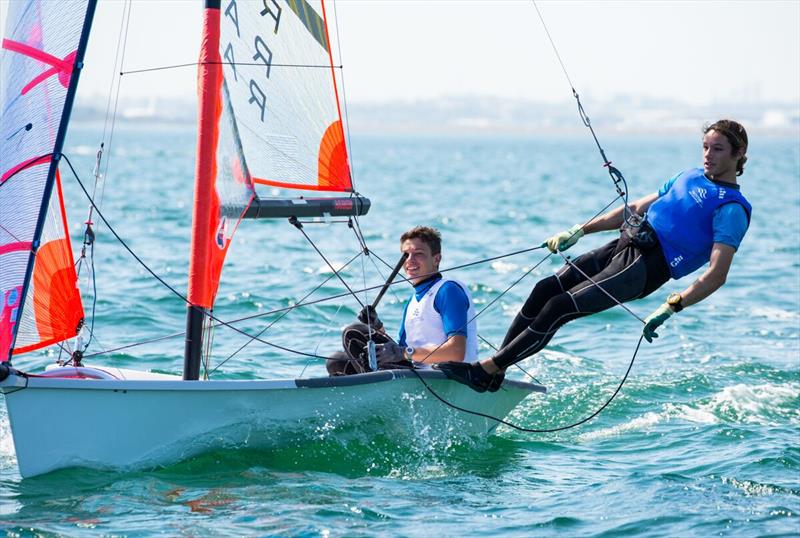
<point>268,114</point>
<point>42,54</point>
<point>278,67</point>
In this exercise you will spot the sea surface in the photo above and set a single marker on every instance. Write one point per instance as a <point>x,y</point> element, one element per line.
<point>703,439</point>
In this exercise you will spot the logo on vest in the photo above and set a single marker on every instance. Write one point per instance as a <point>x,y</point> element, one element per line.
<point>721,194</point>
<point>675,261</point>
<point>699,194</point>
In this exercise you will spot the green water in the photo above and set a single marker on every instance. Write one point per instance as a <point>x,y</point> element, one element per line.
<point>703,440</point>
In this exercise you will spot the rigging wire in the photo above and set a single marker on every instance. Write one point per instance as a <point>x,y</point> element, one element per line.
<point>122,45</point>
<point>294,222</point>
<point>520,280</point>
<point>344,100</point>
<point>400,280</point>
<point>628,216</point>
<point>195,64</point>
<point>162,281</point>
<point>283,315</point>
<point>620,184</point>
<point>89,235</point>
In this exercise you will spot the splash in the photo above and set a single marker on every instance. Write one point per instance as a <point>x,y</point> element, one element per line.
<point>767,404</point>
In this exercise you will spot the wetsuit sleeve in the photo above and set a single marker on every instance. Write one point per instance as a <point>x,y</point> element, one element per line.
<point>730,224</point>
<point>668,185</point>
<point>452,304</point>
<point>401,337</point>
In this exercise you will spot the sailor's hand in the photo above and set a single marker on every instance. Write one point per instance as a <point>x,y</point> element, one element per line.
<point>654,321</point>
<point>369,316</point>
<point>389,353</point>
<point>563,240</point>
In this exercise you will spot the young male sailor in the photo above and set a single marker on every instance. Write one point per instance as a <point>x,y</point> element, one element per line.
<point>438,321</point>
<point>697,217</point>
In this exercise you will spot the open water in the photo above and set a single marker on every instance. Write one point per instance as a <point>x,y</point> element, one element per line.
<point>704,439</point>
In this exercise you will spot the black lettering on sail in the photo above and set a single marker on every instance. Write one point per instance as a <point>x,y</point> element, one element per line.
<point>260,100</point>
<point>261,49</point>
<point>231,60</point>
<point>232,11</point>
<point>276,15</point>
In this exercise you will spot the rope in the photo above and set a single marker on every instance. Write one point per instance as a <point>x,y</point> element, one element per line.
<point>516,281</point>
<point>294,222</point>
<point>620,184</point>
<point>537,430</point>
<point>587,277</point>
<point>283,315</point>
<point>164,283</point>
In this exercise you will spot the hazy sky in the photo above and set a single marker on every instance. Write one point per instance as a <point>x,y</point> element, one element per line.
<point>697,51</point>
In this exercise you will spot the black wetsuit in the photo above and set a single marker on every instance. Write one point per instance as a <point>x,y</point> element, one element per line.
<point>627,268</point>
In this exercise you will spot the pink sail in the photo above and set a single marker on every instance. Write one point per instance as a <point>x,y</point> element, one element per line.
<point>38,287</point>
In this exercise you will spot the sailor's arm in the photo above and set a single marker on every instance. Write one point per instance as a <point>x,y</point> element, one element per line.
<point>608,221</point>
<point>710,281</point>
<point>453,349</point>
<point>713,278</point>
<point>613,219</point>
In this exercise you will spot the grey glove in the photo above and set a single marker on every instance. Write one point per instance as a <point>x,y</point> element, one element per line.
<point>389,353</point>
<point>369,316</point>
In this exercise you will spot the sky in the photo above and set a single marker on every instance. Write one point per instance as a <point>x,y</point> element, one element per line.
<point>410,50</point>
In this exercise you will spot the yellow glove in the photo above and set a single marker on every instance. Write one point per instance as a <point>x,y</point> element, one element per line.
<point>563,240</point>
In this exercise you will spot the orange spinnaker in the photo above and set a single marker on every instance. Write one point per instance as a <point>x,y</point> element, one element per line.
<point>56,300</point>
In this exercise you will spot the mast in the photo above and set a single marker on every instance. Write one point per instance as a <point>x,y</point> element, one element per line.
<point>209,77</point>
<point>72,90</point>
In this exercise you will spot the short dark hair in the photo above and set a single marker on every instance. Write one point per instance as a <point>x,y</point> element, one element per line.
<point>736,135</point>
<point>426,234</point>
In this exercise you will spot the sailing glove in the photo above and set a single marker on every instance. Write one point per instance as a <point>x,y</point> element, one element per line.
<point>563,240</point>
<point>389,353</point>
<point>369,316</point>
<point>654,321</point>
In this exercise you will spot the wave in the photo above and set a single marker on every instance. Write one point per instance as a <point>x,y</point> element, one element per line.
<point>767,405</point>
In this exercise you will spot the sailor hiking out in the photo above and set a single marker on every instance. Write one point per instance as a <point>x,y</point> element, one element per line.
<point>697,217</point>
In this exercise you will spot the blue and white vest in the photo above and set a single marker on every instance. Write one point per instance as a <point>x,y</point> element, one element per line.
<point>424,326</point>
<point>683,219</point>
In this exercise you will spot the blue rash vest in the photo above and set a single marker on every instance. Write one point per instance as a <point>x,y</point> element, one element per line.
<point>683,219</point>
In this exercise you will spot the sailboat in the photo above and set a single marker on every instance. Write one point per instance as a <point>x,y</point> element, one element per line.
<point>269,114</point>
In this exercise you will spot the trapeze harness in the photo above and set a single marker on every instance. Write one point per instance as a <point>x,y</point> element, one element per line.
<point>675,239</point>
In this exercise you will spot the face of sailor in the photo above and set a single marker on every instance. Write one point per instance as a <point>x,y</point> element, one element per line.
<point>719,160</point>
<point>421,262</point>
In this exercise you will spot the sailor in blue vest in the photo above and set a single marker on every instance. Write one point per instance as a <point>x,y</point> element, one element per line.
<point>438,320</point>
<point>697,217</point>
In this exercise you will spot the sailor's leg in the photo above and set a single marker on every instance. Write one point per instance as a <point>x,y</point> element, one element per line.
<point>567,277</point>
<point>558,311</point>
<point>622,280</point>
<point>544,290</point>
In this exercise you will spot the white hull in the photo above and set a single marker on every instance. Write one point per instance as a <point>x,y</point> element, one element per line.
<point>139,423</point>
